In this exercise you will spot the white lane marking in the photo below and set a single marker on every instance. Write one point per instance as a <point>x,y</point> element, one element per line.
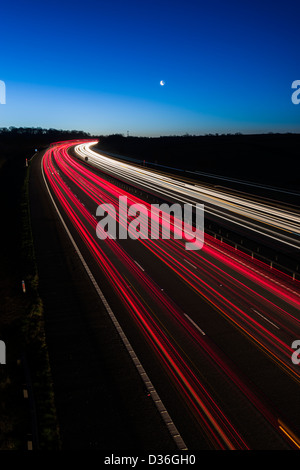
<point>191,264</point>
<point>139,265</point>
<point>195,324</point>
<point>265,318</point>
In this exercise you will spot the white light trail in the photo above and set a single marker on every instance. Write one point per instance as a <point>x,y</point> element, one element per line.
<point>280,224</point>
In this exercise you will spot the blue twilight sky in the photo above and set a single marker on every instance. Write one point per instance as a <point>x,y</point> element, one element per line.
<point>228,66</point>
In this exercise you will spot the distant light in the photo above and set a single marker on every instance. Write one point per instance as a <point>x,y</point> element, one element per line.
<point>162,83</point>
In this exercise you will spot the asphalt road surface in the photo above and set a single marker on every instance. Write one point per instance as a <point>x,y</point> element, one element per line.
<point>212,328</point>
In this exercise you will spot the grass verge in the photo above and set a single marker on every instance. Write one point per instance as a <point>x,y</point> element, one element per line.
<point>36,363</point>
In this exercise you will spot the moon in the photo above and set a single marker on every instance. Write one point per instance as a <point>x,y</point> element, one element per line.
<point>162,83</point>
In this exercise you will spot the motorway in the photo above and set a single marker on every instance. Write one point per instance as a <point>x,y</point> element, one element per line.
<point>212,327</point>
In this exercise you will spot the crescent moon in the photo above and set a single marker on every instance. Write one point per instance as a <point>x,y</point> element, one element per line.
<point>162,83</point>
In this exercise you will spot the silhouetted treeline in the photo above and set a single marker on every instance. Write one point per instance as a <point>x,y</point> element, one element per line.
<point>271,158</point>
<point>37,135</point>
<point>20,142</point>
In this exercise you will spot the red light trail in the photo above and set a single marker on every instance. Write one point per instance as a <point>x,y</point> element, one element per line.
<point>269,326</point>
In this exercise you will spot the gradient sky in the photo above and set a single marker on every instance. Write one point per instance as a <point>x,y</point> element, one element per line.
<point>228,66</point>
